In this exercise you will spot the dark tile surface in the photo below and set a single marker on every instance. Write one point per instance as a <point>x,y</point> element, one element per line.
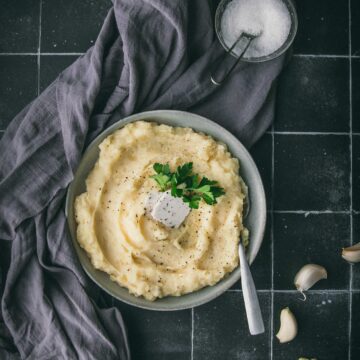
<point>157,335</point>
<point>356,94</point>
<point>18,85</point>
<point>262,154</point>
<point>3,258</point>
<point>299,240</point>
<point>19,22</point>
<point>312,172</point>
<point>356,172</point>
<point>355,338</point>
<point>323,326</point>
<point>51,66</point>
<point>221,332</point>
<point>313,95</point>
<point>320,22</point>
<point>356,267</point>
<point>261,268</point>
<point>86,17</point>
<point>355,27</point>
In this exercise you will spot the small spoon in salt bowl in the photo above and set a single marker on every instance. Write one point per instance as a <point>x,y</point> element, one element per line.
<point>248,37</point>
<point>252,306</point>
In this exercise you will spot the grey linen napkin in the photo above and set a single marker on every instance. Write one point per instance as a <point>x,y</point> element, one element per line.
<point>150,54</point>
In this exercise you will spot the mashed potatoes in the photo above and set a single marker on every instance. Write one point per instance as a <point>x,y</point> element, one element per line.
<point>139,253</point>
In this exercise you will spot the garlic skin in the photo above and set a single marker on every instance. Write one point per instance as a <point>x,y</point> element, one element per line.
<point>288,326</point>
<point>308,276</point>
<point>352,253</point>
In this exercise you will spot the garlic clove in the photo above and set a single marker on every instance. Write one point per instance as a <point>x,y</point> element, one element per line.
<point>288,326</point>
<point>352,253</point>
<point>308,276</point>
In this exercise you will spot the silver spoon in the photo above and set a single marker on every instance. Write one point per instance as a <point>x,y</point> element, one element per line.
<point>244,35</point>
<point>252,306</point>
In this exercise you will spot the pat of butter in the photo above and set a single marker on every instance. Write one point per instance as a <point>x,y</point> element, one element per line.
<point>169,210</point>
<point>153,198</point>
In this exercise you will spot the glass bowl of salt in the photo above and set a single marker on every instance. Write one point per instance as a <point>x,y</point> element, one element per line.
<point>275,21</point>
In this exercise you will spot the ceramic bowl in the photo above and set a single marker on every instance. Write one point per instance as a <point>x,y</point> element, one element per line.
<point>255,220</point>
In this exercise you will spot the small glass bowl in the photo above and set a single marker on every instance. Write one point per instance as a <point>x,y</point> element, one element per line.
<point>293,29</point>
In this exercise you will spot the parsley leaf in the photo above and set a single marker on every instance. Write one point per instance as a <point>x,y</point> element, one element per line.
<point>162,180</point>
<point>183,172</point>
<point>163,175</point>
<point>206,181</point>
<point>190,187</point>
<point>162,169</point>
<point>193,201</point>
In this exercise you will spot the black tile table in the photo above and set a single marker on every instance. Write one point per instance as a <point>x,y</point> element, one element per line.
<point>355,65</point>
<point>316,171</point>
<point>314,95</point>
<point>323,326</point>
<point>51,66</point>
<point>323,27</point>
<point>71,25</point>
<point>18,85</point>
<point>309,161</point>
<point>355,27</point>
<point>21,20</point>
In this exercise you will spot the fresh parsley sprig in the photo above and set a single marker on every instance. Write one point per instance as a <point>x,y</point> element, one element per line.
<point>190,187</point>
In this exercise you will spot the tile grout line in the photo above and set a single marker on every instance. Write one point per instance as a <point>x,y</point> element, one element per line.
<point>62,54</point>
<point>19,54</point>
<point>334,56</point>
<point>192,334</point>
<point>272,240</point>
<point>39,49</point>
<point>350,181</point>
<point>311,291</point>
<point>327,56</point>
<point>311,212</point>
<point>42,54</point>
<point>305,133</point>
<point>322,56</point>
<point>309,133</point>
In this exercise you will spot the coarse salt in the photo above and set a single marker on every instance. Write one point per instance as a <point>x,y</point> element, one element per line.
<point>269,18</point>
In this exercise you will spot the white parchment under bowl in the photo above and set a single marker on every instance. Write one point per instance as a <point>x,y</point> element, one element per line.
<point>255,220</point>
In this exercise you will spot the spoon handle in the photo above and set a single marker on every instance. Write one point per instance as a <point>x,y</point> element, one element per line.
<point>249,38</point>
<point>252,307</point>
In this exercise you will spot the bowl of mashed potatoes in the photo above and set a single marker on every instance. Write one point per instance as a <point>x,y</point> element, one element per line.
<point>147,262</point>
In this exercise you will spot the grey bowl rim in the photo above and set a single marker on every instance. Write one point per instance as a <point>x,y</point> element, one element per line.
<point>293,31</point>
<point>216,289</point>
